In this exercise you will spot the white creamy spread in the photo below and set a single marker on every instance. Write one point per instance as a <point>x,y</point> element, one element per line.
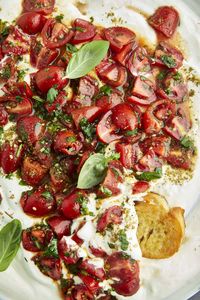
<point>173,278</point>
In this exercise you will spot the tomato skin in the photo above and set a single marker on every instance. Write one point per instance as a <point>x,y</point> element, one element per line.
<point>40,6</point>
<point>63,143</point>
<point>59,225</point>
<point>129,154</point>
<point>123,56</point>
<point>88,112</point>
<point>36,238</point>
<point>31,22</point>
<point>125,273</point>
<point>165,20</point>
<point>88,88</point>
<point>55,34</point>
<point>33,171</point>
<point>138,63</point>
<point>112,215</point>
<point>124,117</point>
<point>118,37</point>
<point>92,270</point>
<point>16,42</point>
<point>70,207</point>
<point>90,282</point>
<point>30,129</point>
<point>36,204</point>
<point>140,187</point>
<point>22,107</point>
<point>86,35</point>
<point>11,156</point>
<point>49,266</point>
<point>3,116</point>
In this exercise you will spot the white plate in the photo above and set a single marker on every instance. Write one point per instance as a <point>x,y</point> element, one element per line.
<point>177,278</point>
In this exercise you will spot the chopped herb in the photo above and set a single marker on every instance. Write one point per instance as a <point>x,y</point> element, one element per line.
<point>187,142</point>
<point>51,95</point>
<point>177,76</point>
<point>131,132</point>
<point>123,240</point>
<point>71,139</point>
<point>143,78</point>
<point>18,98</point>
<point>9,176</point>
<point>169,61</point>
<point>21,74</point>
<point>87,128</point>
<point>106,90</point>
<point>83,201</point>
<point>106,191</point>
<point>71,48</point>
<point>22,182</point>
<point>39,99</point>
<point>100,147</point>
<point>47,195</point>
<point>191,93</point>
<point>6,72</point>
<point>52,249</point>
<point>113,156</point>
<point>168,91</point>
<point>161,75</point>
<point>78,28</point>
<point>148,176</point>
<point>111,245</point>
<point>91,19</point>
<point>59,18</point>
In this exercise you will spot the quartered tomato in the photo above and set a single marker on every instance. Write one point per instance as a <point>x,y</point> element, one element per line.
<point>67,249</point>
<point>18,89</point>
<point>129,154</point>
<point>70,206</point>
<point>125,53</point>
<point>3,116</point>
<point>17,42</point>
<point>119,37</point>
<point>59,225</point>
<point>98,252</point>
<point>124,117</point>
<point>168,56</point>
<point>140,187</point>
<point>19,106</point>
<point>159,144</point>
<point>125,273</point>
<point>143,91</point>
<point>112,73</point>
<point>11,155</point>
<point>91,283</point>
<point>31,22</point>
<point>179,157</point>
<point>7,70</point>
<point>55,34</point>
<point>36,238</point>
<point>84,31</point>
<point>67,142</point>
<point>88,88</point>
<point>38,203</point>
<point>33,171</point>
<point>49,77</point>
<point>149,162</point>
<point>88,112</point>
<point>93,270</point>
<point>108,102</point>
<point>40,6</point>
<point>112,215</point>
<point>165,20</point>
<point>138,62</point>
<point>48,265</point>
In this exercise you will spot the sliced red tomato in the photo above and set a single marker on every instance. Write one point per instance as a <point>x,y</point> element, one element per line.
<point>108,102</point>
<point>159,144</point>
<point>55,34</point>
<point>84,31</point>
<point>31,22</point>
<point>40,6</point>
<point>106,129</point>
<point>90,283</point>
<point>165,20</point>
<point>59,225</point>
<point>140,187</point>
<point>20,106</point>
<point>179,157</point>
<point>125,53</point>
<point>143,89</point>
<point>36,238</point>
<point>18,89</point>
<point>30,129</point>
<point>112,215</point>
<point>33,171</point>
<point>140,101</point>
<point>149,162</point>
<point>110,185</point>
<point>129,154</point>
<point>118,37</point>
<point>49,77</point>
<point>40,56</point>
<point>98,252</point>
<point>124,117</point>
<point>70,207</point>
<point>38,203</point>
<point>67,142</point>
<point>112,73</point>
<point>92,269</point>
<point>68,250</point>
<point>11,155</point>
<point>168,56</point>
<point>3,116</point>
<point>80,292</point>
<point>88,112</point>
<point>125,273</point>
<point>49,266</point>
<point>138,62</point>
<point>88,88</point>
<point>16,43</point>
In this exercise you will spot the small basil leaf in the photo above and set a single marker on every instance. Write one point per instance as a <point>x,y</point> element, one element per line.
<point>86,59</point>
<point>10,238</point>
<point>148,176</point>
<point>93,171</point>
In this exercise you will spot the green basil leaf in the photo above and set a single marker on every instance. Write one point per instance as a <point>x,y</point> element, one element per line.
<point>93,171</point>
<point>10,238</point>
<point>148,176</point>
<point>187,142</point>
<point>86,59</point>
<point>51,95</point>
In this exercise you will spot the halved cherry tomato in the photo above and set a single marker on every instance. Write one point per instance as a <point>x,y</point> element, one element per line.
<point>125,273</point>
<point>3,116</point>
<point>49,266</point>
<point>68,250</point>
<point>40,6</point>
<point>59,102</point>
<point>40,56</point>
<point>90,283</point>
<point>165,20</point>
<point>159,144</point>
<point>140,187</point>
<point>129,154</point>
<point>11,156</point>
<point>49,77</point>
<point>30,129</point>
<point>88,112</point>
<point>168,56</point>
<point>33,171</point>
<point>92,269</point>
<point>124,117</point>
<point>16,43</point>
<point>149,162</point>
<point>112,215</point>
<point>20,106</point>
<point>112,73</point>
<point>31,22</point>
<point>59,225</point>
<point>18,89</point>
<point>38,203</point>
<point>67,142</point>
<point>125,53</point>
<point>36,238</point>
<point>84,31</point>
<point>55,34</point>
<point>70,207</point>
<point>138,62</point>
<point>108,102</point>
<point>143,89</point>
<point>118,37</point>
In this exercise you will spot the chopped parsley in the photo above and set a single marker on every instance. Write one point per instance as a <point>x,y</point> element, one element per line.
<point>107,192</point>
<point>78,28</point>
<point>71,139</point>
<point>87,128</point>
<point>52,249</point>
<point>21,74</point>
<point>161,75</point>
<point>51,95</point>
<point>59,18</point>
<point>123,240</point>
<point>106,90</point>
<point>47,195</point>
<point>169,61</point>
<point>6,72</point>
<point>71,48</point>
<point>187,142</point>
<point>177,76</point>
<point>83,201</point>
<point>131,132</point>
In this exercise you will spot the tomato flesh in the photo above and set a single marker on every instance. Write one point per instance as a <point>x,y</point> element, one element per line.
<point>41,6</point>
<point>31,22</point>
<point>84,31</point>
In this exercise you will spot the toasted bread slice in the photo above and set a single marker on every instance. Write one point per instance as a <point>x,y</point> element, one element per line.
<point>160,230</point>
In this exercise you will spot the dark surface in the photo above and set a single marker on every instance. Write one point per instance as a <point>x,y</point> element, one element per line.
<point>196,297</point>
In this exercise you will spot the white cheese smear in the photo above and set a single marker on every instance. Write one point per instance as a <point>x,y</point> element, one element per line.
<point>173,278</point>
